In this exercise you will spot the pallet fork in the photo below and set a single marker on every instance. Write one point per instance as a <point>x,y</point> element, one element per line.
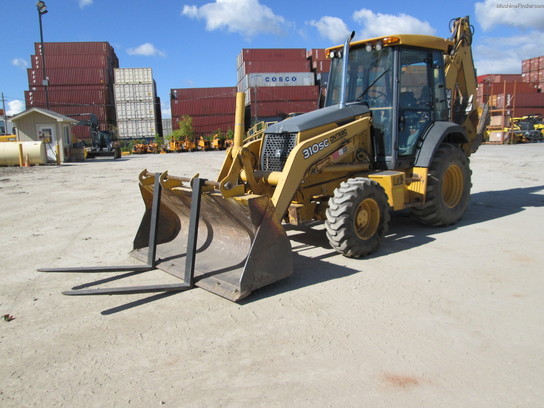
<point>188,280</point>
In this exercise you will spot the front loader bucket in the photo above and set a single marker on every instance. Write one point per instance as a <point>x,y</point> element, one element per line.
<point>240,247</point>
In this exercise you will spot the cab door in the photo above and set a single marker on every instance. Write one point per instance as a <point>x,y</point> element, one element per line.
<point>421,99</point>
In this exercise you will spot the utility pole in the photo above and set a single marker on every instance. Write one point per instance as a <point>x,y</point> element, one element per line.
<point>42,9</point>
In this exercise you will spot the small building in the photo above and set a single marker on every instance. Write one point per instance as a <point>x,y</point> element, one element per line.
<point>37,124</point>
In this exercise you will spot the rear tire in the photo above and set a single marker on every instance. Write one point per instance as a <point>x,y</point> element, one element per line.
<point>448,188</point>
<point>357,217</point>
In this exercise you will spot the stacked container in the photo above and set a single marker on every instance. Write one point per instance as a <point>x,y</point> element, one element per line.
<point>136,103</point>
<point>79,78</point>
<point>512,95</point>
<point>211,109</point>
<point>321,66</point>
<point>532,71</point>
<point>276,82</point>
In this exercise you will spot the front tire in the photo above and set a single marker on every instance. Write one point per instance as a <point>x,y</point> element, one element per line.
<point>448,188</point>
<point>357,217</point>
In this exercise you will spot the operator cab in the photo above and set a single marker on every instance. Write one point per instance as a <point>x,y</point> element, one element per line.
<point>403,86</point>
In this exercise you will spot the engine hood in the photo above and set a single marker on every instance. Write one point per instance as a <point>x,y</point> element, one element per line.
<point>319,117</point>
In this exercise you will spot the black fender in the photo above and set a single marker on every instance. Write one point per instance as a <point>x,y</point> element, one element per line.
<point>436,134</point>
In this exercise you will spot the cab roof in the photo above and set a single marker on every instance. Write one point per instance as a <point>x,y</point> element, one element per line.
<point>415,40</point>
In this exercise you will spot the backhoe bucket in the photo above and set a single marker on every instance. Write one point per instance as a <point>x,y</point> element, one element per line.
<point>239,246</point>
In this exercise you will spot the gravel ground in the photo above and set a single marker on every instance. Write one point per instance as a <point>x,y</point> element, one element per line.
<point>444,318</point>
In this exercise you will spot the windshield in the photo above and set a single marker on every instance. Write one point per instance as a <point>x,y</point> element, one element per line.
<point>369,78</point>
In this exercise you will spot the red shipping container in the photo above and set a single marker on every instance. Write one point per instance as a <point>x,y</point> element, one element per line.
<point>489,89</point>
<point>499,78</point>
<point>74,48</point>
<point>316,54</point>
<point>203,93</point>
<point>535,64</point>
<point>71,96</point>
<point>71,76</point>
<point>250,67</point>
<point>285,93</point>
<point>281,108</point>
<point>533,77</point>
<point>535,100</point>
<point>74,61</point>
<point>270,54</point>
<point>208,106</point>
<point>322,66</point>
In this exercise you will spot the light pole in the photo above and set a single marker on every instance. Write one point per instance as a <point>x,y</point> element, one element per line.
<point>42,9</point>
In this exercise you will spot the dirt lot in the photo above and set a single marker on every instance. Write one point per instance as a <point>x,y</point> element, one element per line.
<point>437,318</point>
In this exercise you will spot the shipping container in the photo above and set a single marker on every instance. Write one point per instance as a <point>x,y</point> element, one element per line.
<point>68,96</point>
<point>252,67</point>
<point>535,64</point>
<point>133,76</point>
<point>276,79</point>
<point>489,89</point>
<point>270,54</point>
<point>535,100</point>
<point>136,129</point>
<point>74,48</point>
<point>202,93</point>
<point>135,110</point>
<point>73,61</point>
<point>533,77</point>
<point>208,106</point>
<point>134,92</point>
<point>283,93</point>
<point>321,66</point>
<point>499,78</point>
<point>71,76</point>
<point>317,54</point>
<point>518,100</point>
<point>282,108</point>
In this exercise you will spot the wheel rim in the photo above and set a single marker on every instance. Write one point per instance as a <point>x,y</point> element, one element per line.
<point>452,186</point>
<point>367,218</point>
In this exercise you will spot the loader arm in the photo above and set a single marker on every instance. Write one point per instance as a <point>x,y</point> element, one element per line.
<point>461,80</point>
<point>317,155</point>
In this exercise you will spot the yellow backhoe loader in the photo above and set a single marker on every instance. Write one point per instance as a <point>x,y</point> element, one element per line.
<point>398,127</point>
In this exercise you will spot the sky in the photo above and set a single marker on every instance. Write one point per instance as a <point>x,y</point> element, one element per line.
<point>194,44</point>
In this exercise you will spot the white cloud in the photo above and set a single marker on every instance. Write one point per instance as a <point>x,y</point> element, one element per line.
<point>332,28</point>
<point>521,14</point>
<point>85,3</point>
<point>14,107</point>
<point>378,24</point>
<point>146,50</point>
<point>247,17</point>
<point>504,55</point>
<point>19,62</point>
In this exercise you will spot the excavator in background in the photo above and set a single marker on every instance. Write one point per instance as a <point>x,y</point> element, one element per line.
<point>398,127</point>
<point>103,143</point>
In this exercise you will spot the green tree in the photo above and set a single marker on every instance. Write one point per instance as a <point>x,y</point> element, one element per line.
<point>186,130</point>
